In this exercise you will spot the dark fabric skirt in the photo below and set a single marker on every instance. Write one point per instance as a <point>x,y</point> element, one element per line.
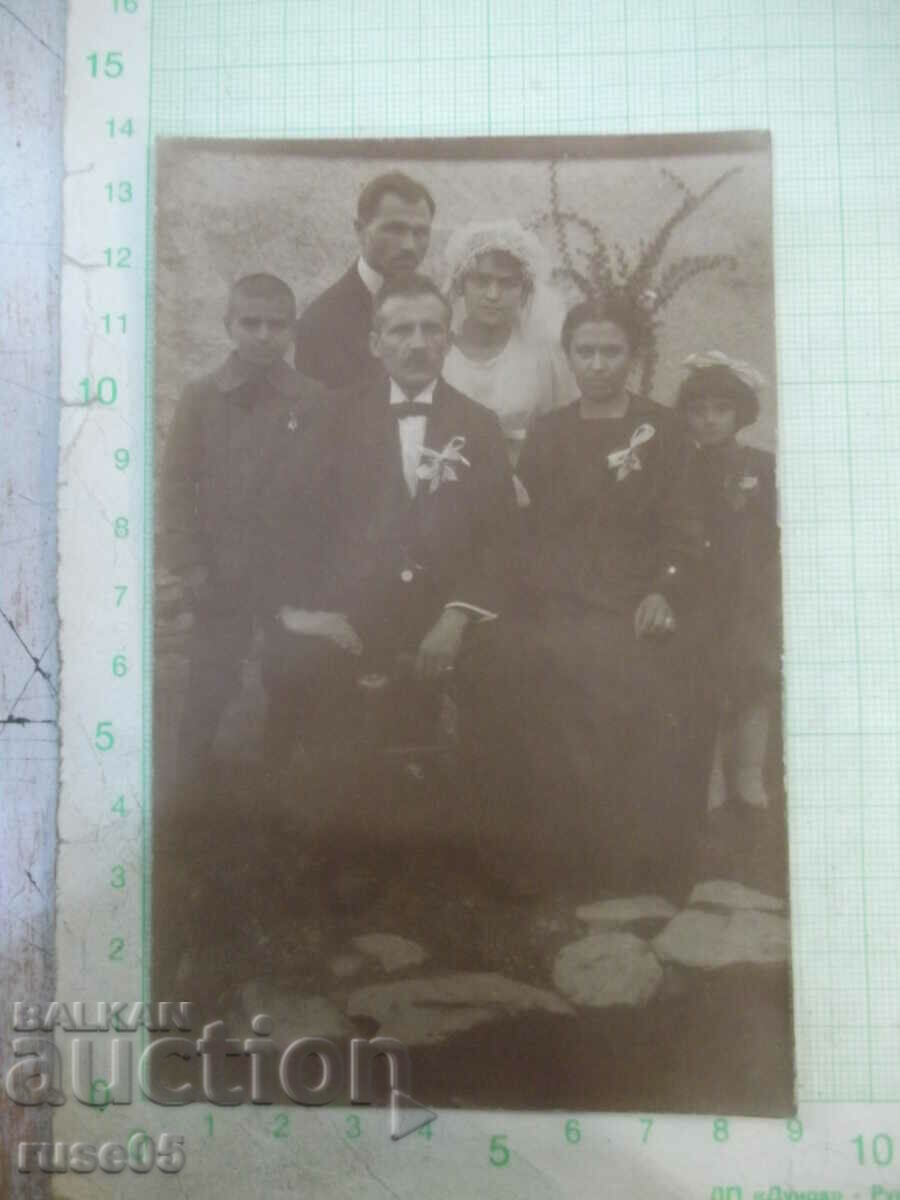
<point>587,747</point>
<point>742,652</point>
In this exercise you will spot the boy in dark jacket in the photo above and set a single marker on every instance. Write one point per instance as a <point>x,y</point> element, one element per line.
<point>231,428</point>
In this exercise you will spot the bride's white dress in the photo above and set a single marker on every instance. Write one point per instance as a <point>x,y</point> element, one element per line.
<point>526,378</point>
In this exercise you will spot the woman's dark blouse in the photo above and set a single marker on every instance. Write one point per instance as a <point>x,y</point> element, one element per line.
<point>597,540</point>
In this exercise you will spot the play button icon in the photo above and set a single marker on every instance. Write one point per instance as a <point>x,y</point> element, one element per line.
<point>407,1115</point>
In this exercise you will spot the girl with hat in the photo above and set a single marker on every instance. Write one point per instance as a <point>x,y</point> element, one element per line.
<point>734,489</point>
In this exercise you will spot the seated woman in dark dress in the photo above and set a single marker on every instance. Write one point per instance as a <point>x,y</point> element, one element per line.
<point>585,767</point>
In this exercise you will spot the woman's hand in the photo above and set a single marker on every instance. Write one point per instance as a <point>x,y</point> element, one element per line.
<point>654,617</point>
<point>333,626</point>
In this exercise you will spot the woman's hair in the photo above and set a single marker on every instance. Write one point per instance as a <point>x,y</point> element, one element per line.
<point>617,310</point>
<point>723,382</point>
<point>468,243</point>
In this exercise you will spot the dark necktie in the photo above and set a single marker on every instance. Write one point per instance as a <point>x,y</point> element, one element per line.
<point>410,408</point>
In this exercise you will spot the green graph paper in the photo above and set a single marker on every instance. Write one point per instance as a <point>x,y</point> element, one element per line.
<point>823,77</point>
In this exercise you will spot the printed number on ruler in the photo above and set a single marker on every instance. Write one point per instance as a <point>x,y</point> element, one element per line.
<point>109,64</point>
<point>117,70</point>
<point>880,1151</point>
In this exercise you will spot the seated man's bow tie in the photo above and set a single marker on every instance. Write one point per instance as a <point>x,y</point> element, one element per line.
<point>411,408</point>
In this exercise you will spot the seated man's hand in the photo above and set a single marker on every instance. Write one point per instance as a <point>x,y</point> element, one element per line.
<point>333,626</point>
<point>654,617</point>
<point>440,647</point>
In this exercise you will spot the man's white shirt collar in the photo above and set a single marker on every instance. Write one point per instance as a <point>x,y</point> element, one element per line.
<point>370,277</point>
<point>411,431</point>
<point>426,396</point>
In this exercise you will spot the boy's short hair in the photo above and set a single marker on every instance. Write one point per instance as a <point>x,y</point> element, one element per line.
<point>261,287</point>
<point>394,183</point>
<point>408,287</point>
<point>720,381</point>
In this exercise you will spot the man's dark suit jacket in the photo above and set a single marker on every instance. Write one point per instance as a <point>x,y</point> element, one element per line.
<point>396,561</point>
<point>333,333</point>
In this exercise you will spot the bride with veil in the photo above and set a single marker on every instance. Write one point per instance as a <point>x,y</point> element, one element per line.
<point>507,317</point>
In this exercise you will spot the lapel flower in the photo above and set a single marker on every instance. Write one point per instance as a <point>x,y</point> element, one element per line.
<point>738,490</point>
<point>293,422</point>
<point>440,466</point>
<point>623,462</point>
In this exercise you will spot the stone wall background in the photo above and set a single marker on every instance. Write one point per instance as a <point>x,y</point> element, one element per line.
<point>242,207</point>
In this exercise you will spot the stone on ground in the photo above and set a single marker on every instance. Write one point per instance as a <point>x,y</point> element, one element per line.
<point>294,1015</point>
<point>345,965</point>
<point>708,940</point>
<point>607,968</point>
<point>427,1011</point>
<point>393,953</point>
<point>625,911</point>
<point>725,894</point>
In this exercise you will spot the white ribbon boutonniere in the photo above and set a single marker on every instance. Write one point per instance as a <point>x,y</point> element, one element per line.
<point>738,490</point>
<point>623,462</point>
<point>439,466</point>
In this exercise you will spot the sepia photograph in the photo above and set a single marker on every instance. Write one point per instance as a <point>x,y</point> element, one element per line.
<point>467,636</point>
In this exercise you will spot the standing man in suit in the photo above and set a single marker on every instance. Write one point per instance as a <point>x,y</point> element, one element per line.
<point>393,225</point>
<point>424,505</point>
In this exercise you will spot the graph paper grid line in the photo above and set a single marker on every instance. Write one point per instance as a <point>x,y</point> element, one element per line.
<point>821,75</point>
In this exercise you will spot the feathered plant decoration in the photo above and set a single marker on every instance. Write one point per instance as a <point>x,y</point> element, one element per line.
<point>598,267</point>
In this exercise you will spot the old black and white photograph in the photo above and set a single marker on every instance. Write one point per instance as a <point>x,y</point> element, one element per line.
<point>467,652</point>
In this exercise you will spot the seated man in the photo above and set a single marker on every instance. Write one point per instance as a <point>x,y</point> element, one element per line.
<point>422,502</point>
